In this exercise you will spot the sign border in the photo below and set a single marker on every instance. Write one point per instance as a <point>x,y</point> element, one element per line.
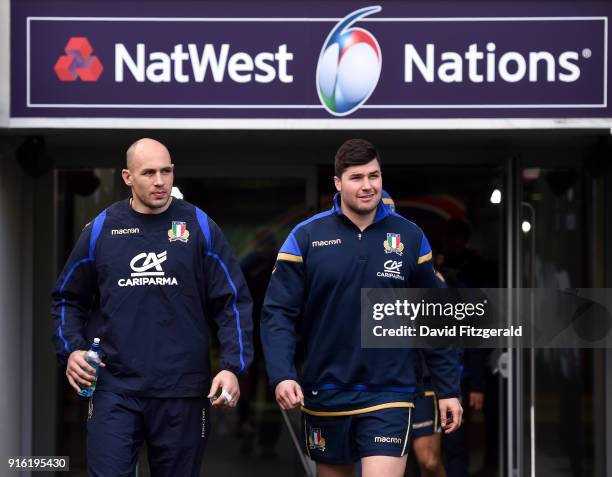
<point>31,105</point>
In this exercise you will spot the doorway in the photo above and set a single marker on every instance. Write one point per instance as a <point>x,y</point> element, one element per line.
<point>256,204</point>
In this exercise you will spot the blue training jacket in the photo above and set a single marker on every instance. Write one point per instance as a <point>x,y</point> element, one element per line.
<point>320,271</point>
<point>159,278</point>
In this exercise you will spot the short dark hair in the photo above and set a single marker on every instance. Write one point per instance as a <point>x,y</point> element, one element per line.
<point>354,152</point>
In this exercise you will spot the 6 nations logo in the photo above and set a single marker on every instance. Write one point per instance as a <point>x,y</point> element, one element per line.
<point>349,65</point>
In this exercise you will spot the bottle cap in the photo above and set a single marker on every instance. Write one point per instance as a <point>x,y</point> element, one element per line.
<point>97,341</point>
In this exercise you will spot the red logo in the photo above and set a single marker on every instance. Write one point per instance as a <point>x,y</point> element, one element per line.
<point>78,61</point>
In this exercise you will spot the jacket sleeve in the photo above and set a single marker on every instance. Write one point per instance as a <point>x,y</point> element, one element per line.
<point>228,298</point>
<point>444,364</point>
<point>424,274</point>
<point>475,369</point>
<point>282,307</point>
<point>444,369</point>
<point>73,297</point>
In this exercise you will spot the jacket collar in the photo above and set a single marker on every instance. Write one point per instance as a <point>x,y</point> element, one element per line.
<point>382,210</point>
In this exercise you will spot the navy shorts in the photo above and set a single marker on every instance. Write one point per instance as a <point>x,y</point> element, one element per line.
<point>426,415</point>
<point>175,430</point>
<point>346,439</point>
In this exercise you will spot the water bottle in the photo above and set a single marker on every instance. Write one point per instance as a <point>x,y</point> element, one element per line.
<point>93,359</point>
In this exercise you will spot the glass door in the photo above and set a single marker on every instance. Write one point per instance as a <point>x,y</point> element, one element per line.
<point>256,215</point>
<point>562,390</point>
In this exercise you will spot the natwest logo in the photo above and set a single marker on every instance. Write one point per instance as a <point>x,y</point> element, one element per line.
<point>191,62</point>
<point>78,61</point>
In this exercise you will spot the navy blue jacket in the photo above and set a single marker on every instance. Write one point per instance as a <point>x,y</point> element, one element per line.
<point>159,278</point>
<point>319,274</point>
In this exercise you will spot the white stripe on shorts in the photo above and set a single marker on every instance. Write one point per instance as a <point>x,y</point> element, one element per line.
<point>407,431</point>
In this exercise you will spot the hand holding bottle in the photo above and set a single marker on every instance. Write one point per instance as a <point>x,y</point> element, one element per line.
<point>81,370</point>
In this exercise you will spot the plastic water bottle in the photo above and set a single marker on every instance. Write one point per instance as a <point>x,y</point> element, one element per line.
<point>93,358</point>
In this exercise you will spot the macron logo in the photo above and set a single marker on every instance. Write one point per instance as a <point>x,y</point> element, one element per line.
<point>390,440</point>
<point>78,61</point>
<point>325,243</point>
<point>133,230</point>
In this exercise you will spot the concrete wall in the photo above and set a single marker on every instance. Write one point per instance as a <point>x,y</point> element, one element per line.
<point>4,62</point>
<point>15,309</point>
<point>28,390</point>
<point>15,278</point>
<point>46,377</point>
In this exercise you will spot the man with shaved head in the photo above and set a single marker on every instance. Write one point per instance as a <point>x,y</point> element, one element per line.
<point>160,269</point>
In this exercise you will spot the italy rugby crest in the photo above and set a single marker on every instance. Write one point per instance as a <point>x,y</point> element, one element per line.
<point>393,244</point>
<point>316,440</point>
<point>178,232</point>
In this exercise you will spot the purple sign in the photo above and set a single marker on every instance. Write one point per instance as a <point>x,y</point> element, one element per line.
<point>332,60</point>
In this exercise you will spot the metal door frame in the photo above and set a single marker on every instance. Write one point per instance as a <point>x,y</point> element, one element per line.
<point>510,461</point>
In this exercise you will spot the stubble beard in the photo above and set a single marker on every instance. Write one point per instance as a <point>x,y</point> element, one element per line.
<point>359,211</point>
<point>154,205</point>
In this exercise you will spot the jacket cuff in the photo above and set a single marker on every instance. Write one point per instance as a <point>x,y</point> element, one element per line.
<point>232,369</point>
<point>476,387</point>
<point>448,396</point>
<point>62,361</point>
<point>274,382</point>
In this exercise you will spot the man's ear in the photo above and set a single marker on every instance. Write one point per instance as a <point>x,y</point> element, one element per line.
<point>338,183</point>
<point>127,177</point>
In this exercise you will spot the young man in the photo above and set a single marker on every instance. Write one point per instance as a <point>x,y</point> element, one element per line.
<point>357,402</point>
<point>161,268</point>
<point>426,428</point>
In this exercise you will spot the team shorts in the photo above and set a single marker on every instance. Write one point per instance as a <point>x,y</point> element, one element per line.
<point>426,415</point>
<point>346,439</point>
<point>175,429</point>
